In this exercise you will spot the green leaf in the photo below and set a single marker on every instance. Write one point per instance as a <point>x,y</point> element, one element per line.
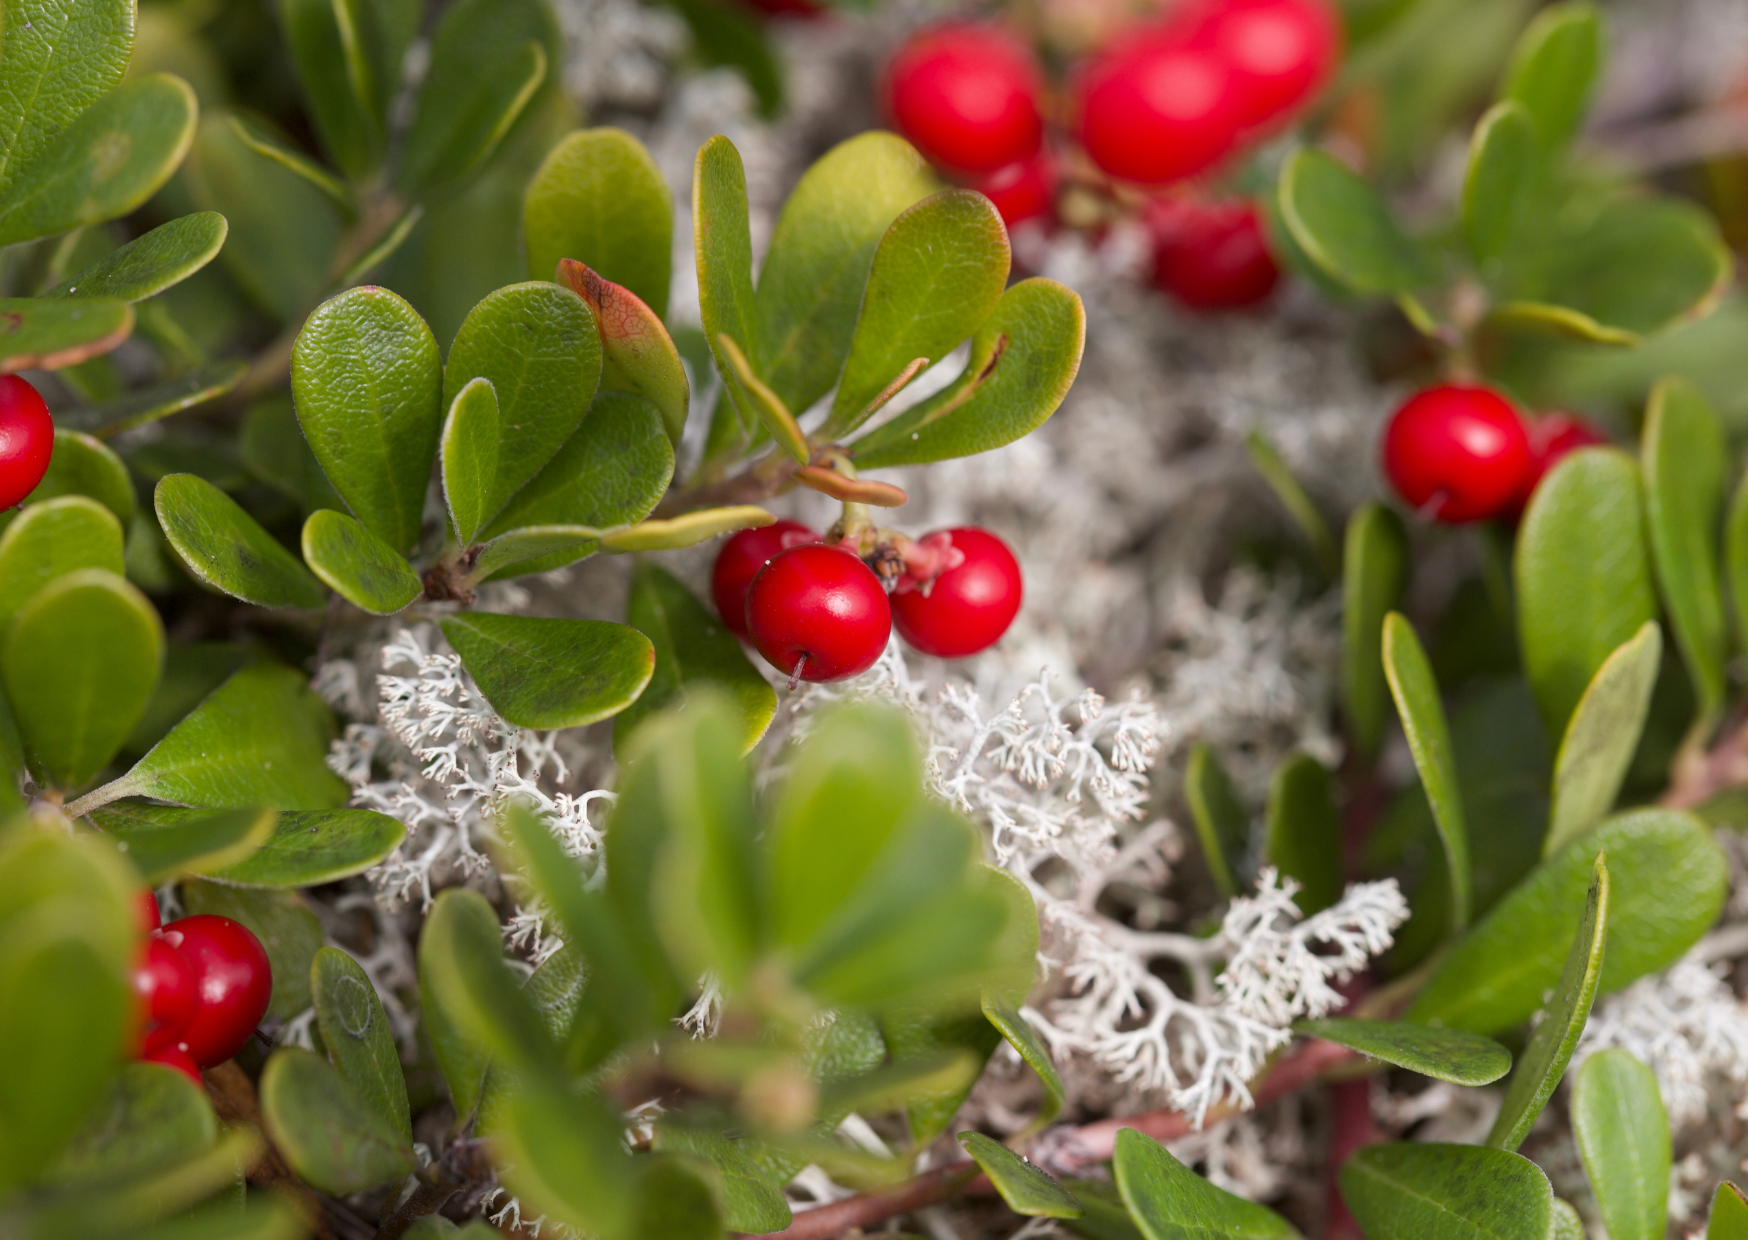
<point>151,262</point>
<point>226,548</point>
<point>752,1198</point>
<point>82,465</point>
<point>164,841</point>
<point>351,133</point>
<point>1550,1048</point>
<point>530,549</point>
<point>544,673</point>
<point>103,165</point>
<point>1443,1054</point>
<point>692,649</point>
<point>722,239</point>
<point>488,58</point>
<point>1168,1201</point>
<point>697,526</point>
<point>79,665</point>
<point>1017,1031</point>
<point>1583,568</point>
<point>1736,559</point>
<point>1222,826</point>
<point>1686,464</point>
<point>310,847</point>
<point>275,451</point>
<point>479,993</point>
<point>1374,573</point>
<point>1623,1136</point>
<point>638,354</point>
<point>1429,740</point>
<point>469,456</point>
<point>1280,479</point>
<point>1447,1192</point>
<point>539,346</point>
<point>41,333</point>
<point>564,1156</point>
<point>328,1131</point>
<point>1343,226</point>
<point>1729,1219</point>
<point>1304,831</point>
<point>59,58</point>
<point>287,929</point>
<point>1667,878</point>
<point>724,34</point>
<point>1503,164</point>
<point>937,275</point>
<point>261,137</point>
<point>158,400</point>
<point>357,565</point>
<point>1554,67</point>
<point>191,671</point>
<point>1568,1223</point>
<point>1027,1189</point>
<point>366,377</point>
<point>51,539</point>
<point>599,198</point>
<point>460,1058</point>
<point>1601,738</point>
<point>1023,361</point>
<point>152,1117</point>
<point>356,1031</point>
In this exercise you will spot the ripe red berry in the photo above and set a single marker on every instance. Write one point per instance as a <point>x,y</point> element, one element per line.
<point>233,982</point>
<point>1457,453</point>
<point>177,1058</point>
<point>743,554</point>
<point>146,911</point>
<point>164,984</point>
<point>27,440</point>
<point>1022,191</point>
<point>1279,52</point>
<point>1211,255</point>
<point>1551,437</point>
<point>1157,109</point>
<point>966,97</point>
<point>818,613</point>
<point>968,606</point>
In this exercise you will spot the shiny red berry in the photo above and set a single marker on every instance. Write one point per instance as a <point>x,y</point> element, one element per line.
<point>233,983</point>
<point>1279,52</point>
<point>1211,255</point>
<point>146,911</point>
<point>1551,437</point>
<point>1157,109</point>
<point>966,607</point>
<point>1022,191</point>
<point>164,985</point>
<point>966,97</point>
<point>27,440</point>
<point>1457,453</point>
<point>177,1058</point>
<point>818,613</point>
<point>743,554</point>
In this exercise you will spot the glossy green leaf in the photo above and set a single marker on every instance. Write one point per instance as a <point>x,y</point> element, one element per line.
<point>1622,1133</point>
<point>1374,573</point>
<point>1429,740</point>
<point>811,285</point>
<point>937,275</point>
<point>1027,1189</point>
<point>599,198</point>
<point>42,333</point>
<point>1017,1031</point>
<point>261,137</point>
<point>1550,1048</point>
<point>1601,738</point>
<point>1293,498</point>
<point>539,346</point>
<point>469,455</point>
<point>1023,361</point>
<point>1729,1217</point>
<point>357,565</point>
<point>351,131</point>
<point>1443,1054</point>
<point>1503,164</point>
<point>460,1058</point>
<point>309,847</point>
<point>288,931</point>
<point>692,649</point>
<point>164,841</point>
<point>104,164</point>
<point>1583,569</point>
<point>638,355</point>
<point>356,1031</point>
<point>530,549</point>
<point>544,673</point>
<point>697,526</point>
<point>1667,880</point>
<point>1554,67</point>
<point>79,665</point>
<point>328,1131</point>
<point>151,262</point>
<point>1344,227</point>
<point>58,59</point>
<point>752,1197</point>
<point>226,548</point>
<point>722,241</point>
<point>1168,1201</point>
<point>1304,831</point>
<point>1686,464</point>
<point>82,465</point>
<point>157,400</point>
<point>151,1118</point>
<point>51,539</point>
<point>1221,824</point>
<point>366,377</point>
<point>1447,1192</point>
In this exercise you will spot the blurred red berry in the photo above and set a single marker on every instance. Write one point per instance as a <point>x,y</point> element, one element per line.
<point>818,613</point>
<point>233,982</point>
<point>743,554</point>
<point>146,911</point>
<point>1022,191</point>
<point>967,606</point>
<point>1211,255</point>
<point>1551,437</point>
<point>177,1058</point>
<point>1457,453</point>
<point>164,984</point>
<point>787,8</point>
<point>1157,109</point>
<point>27,440</point>
<point>966,97</point>
<point>1279,52</point>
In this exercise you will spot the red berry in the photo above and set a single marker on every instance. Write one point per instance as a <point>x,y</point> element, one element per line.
<point>27,440</point>
<point>966,97</point>
<point>1157,109</point>
<point>739,561</point>
<point>968,606</point>
<point>1022,191</point>
<point>177,1058</point>
<point>146,911</point>
<point>164,983</point>
<point>1211,255</point>
<point>1278,51</point>
<point>818,613</point>
<point>233,982</point>
<point>1551,437</point>
<point>1457,453</point>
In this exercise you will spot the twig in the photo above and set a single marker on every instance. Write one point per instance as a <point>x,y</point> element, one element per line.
<point>866,1209</point>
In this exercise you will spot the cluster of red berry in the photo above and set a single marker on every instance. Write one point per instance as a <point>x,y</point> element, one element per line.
<point>1458,453</point>
<point>817,610</point>
<point>1162,103</point>
<point>27,440</point>
<point>202,985</point>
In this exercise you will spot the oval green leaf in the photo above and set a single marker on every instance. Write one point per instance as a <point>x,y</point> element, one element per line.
<point>1429,741</point>
<point>227,549</point>
<point>1729,1219</point>
<point>41,333</point>
<point>1017,1031</point>
<point>357,565</point>
<point>722,241</point>
<point>599,198</point>
<point>1304,831</point>
<point>151,262</point>
<point>356,1031</point>
<point>82,465</point>
<point>60,58</point>
<point>544,673</point>
<point>164,841</point>
<point>1623,1136</point>
<point>1601,738</point>
<point>469,456</point>
<point>1343,226</point>
<point>1027,1189</point>
<point>672,533</point>
<point>1553,68</point>
<point>1221,824</point>
<point>638,354</point>
<point>309,847</point>
<point>51,539</point>
<point>1503,165</point>
<point>1168,1201</point>
<point>328,1132</point>
<point>1374,572</point>
<point>152,1119</point>
<point>1443,1054</point>
<point>1447,1192</point>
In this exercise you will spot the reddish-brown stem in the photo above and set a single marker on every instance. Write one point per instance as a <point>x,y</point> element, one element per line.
<point>866,1209</point>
